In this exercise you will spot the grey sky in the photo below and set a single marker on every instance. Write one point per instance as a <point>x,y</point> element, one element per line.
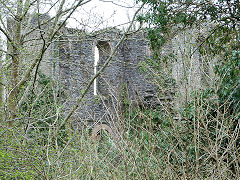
<point>99,14</point>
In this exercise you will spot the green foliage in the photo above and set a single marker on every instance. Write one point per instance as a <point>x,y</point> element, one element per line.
<point>209,116</point>
<point>153,145</point>
<point>43,108</point>
<point>163,16</point>
<point>229,74</point>
<point>13,164</point>
<point>148,119</point>
<point>156,69</point>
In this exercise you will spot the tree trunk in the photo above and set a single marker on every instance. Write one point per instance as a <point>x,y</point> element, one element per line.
<point>16,47</point>
<point>1,92</point>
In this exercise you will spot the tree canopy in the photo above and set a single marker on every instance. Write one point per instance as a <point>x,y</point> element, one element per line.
<point>163,15</point>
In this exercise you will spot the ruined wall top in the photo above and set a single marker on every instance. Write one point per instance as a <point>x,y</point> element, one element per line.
<point>107,34</point>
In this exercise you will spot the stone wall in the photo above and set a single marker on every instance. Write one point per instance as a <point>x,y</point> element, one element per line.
<point>70,61</point>
<point>76,68</point>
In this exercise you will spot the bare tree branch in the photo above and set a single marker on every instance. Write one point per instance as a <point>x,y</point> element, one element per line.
<point>79,100</point>
<point>43,50</point>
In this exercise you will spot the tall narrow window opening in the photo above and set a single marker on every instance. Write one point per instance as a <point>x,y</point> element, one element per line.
<point>101,53</point>
<point>96,59</point>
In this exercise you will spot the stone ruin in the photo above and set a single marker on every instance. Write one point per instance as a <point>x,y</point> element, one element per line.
<point>76,65</point>
<point>71,61</point>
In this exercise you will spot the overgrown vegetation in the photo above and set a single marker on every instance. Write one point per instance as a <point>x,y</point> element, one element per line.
<point>197,138</point>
